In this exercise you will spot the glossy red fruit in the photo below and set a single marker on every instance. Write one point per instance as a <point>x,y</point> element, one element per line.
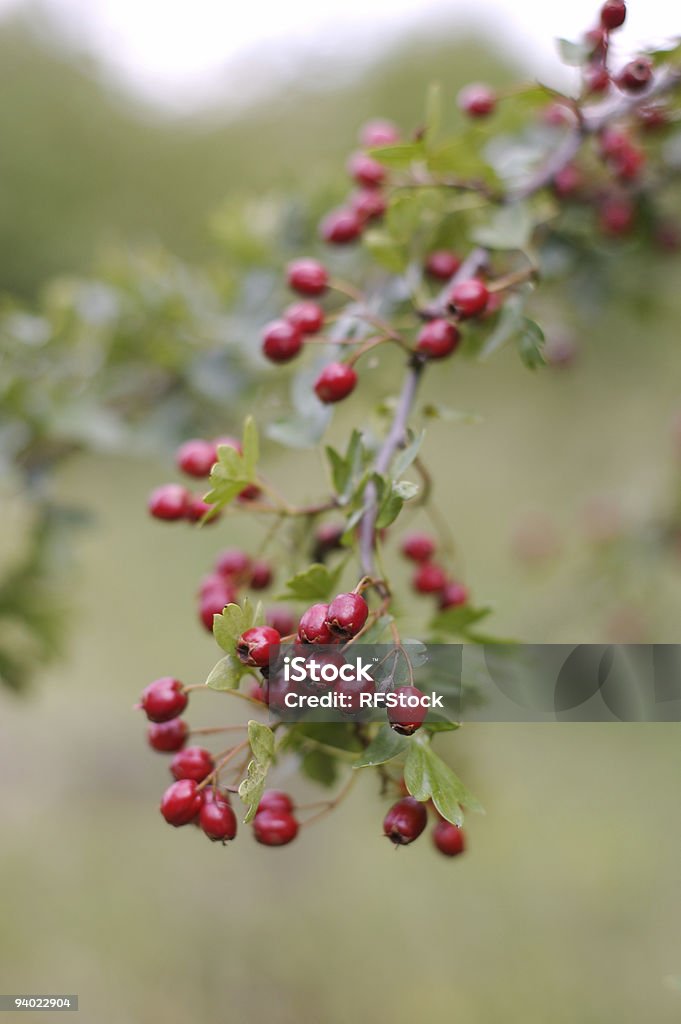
<point>200,511</point>
<point>596,78</point>
<point>405,821</point>
<point>469,298</point>
<point>257,644</point>
<point>181,802</point>
<point>477,100</point>
<point>192,763</point>
<point>613,14</point>
<point>340,227</point>
<point>636,75</point>
<point>453,595</point>
<point>449,839</point>
<point>405,718</point>
<point>616,216</point>
<point>275,800</point>
<point>196,457</point>
<point>214,603</point>
<point>163,699</point>
<point>366,171</point>
<point>282,619</point>
<point>313,627</point>
<point>306,317</point>
<point>420,547</point>
<point>281,341</point>
<point>167,737</point>
<point>369,204</point>
<point>274,828</point>
<point>442,264</point>
<point>335,382</point>
<point>346,615</point>
<point>233,564</point>
<point>218,820</point>
<point>379,132</point>
<point>308,277</point>
<point>169,502</point>
<point>261,575</point>
<point>438,339</point>
<point>429,578</point>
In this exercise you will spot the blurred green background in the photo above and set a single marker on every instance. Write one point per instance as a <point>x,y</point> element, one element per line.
<point>565,908</point>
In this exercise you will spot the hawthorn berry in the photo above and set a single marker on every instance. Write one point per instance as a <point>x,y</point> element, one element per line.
<point>442,264</point>
<point>313,627</point>
<point>327,538</point>
<point>234,564</point>
<point>217,820</point>
<point>199,510</point>
<point>169,502</point>
<point>214,603</point>
<point>282,341</point>
<point>405,821</point>
<point>419,547</point>
<point>429,578</point>
<point>477,100</point>
<point>407,719</point>
<point>346,615</point>
<point>163,699</point>
<point>274,827</point>
<point>567,180</point>
<point>369,204</point>
<point>261,575</point>
<point>469,298</point>
<point>275,800</point>
<point>181,802</point>
<point>196,457</point>
<point>616,216</point>
<point>438,339</point>
<point>453,595</point>
<point>192,763</point>
<point>341,227</point>
<point>596,41</point>
<point>449,839</point>
<point>257,644</point>
<point>281,619</point>
<point>366,171</point>
<point>350,691</point>
<point>596,78</point>
<point>306,317</point>
<point>167,737</point>
<point>379,132</point>
<point>308,277</point>
<point>250,493</point>
<point>335,382</point>
<point>613,14</point>
<point>636,75</point>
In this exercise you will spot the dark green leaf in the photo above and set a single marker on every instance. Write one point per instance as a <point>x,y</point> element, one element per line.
<point>531,344</point>
<point>315,583</point>
<point>428,777</point>
<point>385,745</point>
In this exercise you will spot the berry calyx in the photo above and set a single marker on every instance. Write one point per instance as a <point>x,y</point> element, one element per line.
<point>256,645</point>
<point>477,100</point>
<point>313,627</point>
<point>379,132</point>
<point>274,827</point>
<point>453,595</point>
<point>366,171</point>
<point>636,75</point>
<point>346,615</point>
<point>163,699</point>
<point>167,737</point>
<point>169,502</point>
<point>306,317</point>
<point>613,14</point>
<point>275,800</point>
<point>469,298</point>
<point>449,839</point>
<point>442,264</point>
<point>196,457</point>
<point>438,339</point>
<point>335,382</point>
<point>282,341</point>
<point>192,763</point>
<point>405,821</point>
<point>409,715</point>
<point>261,575</point>
<point>340,227</point>
<point>181,802</point>
<point>429,578</point>
<point>308,277</point>
<point>218,820</point>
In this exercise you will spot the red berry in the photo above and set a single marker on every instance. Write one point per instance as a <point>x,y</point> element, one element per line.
<point>335,382</point>
<point>281,619</point>
<point>366,171</point>
<point>218,820</point>
<point>313,627</point>
<point>261,575</point>
<point>167,737</point>
<point>636,75</point>
<point>306,317</point>
<point>429,578</point>
<point>418,546</point>
<point>452,595</point>
<point>214,603</point>
<point>405,821</point>
<point>181,802</point>
<point>341,227</point>
<point>596,41</point>
<point>438,339</point>
<point>275,800</point>
<point>613,142</point>
<point>197,509</point>
<point>628,164</point>
<point>369,204</point>
<point>616,216</point>
<point>250,493</point>
<point>449,839</point>
<point>442,264</point>
<point>346,615</point>
<point>379,133</point>
<point>557,115</point>
<point>327,538</point>
<point>256,645</point>
<point>477,100</point>
<point>163,699</point>
<point>256,692</point>
<point>274,828</point>
<point>596,78</point>
<point>234,564</point>
<point>308,277</point>
<point>169,502</point>
<point>192,763</point>
<point>404,718</point>
<point>228,442</point>
<point>613,13</point>
<point>567,180</point>
<point>653,117</point>
<point>197,457</point>
<point>281,341</point>
<point>351,692</point>
<point>469,297</point>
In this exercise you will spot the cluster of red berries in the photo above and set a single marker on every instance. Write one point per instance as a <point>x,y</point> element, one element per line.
<point>430,577</point>
<point>407,819</point>
<point>233,569</point>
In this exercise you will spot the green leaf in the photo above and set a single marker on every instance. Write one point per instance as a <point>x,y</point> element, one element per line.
<point>261,739</point>
<point>531,344</point>
<point>385,745</point>
<point>435,411</point>
<point>574,54</point>
<point>315,583</point>
<point>510,322</point>
<point>386,251</point>
<point>458,620</point>
<point>398,157</point>
<point>427,777</point>
<point>405,458</point>
<point>510,227</point>
<point>226,674</point>
<point>433,113</point>
<point>320,766</point>
<point>377,630</point>
<point>345,469</point>
<point>234,620</point>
